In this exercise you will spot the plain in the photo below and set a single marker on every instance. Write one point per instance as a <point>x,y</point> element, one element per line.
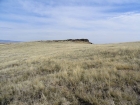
<point>68,73</point>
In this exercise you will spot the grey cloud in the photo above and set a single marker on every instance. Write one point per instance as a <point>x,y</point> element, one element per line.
<point>63,22</point>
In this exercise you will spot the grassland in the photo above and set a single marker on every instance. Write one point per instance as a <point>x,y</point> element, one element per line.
<point>66,73</point>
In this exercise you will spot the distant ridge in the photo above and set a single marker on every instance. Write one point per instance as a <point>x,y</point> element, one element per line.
<point>8,41</point>
<point>69,40</point>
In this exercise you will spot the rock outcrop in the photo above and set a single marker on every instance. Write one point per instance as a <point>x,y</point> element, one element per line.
<point>79,40</point>
<point>70,40</point>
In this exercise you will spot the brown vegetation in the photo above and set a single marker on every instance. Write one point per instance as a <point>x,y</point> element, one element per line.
<point>37,73</point>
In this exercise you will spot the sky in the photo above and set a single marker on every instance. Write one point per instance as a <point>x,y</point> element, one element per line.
<point>100,21</point>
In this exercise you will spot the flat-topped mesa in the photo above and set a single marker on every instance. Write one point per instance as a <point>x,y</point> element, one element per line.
<point>79,40</point>
<point>70,40</point>
<point>83,40</point>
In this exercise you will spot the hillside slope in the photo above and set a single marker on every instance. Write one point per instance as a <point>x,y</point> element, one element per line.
<point>37,73</point>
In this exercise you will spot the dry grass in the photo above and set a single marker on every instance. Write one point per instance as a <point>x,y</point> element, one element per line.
<point>39,73</point>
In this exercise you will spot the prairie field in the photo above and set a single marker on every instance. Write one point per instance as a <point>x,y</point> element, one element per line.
<point>68,73</point>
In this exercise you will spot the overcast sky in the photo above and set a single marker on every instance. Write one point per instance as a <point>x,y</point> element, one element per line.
<point>101,21</point>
